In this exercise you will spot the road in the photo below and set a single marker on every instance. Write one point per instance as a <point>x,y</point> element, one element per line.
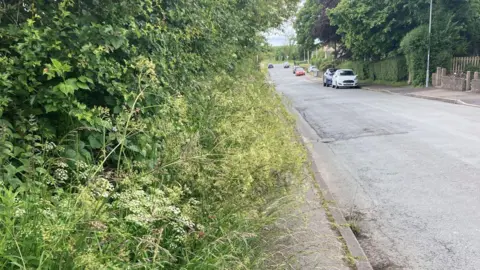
<point>406,170</point>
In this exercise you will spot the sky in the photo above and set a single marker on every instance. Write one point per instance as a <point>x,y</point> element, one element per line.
<point>279,37</point>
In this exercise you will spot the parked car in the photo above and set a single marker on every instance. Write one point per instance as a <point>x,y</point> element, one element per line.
<point>312,68</point>
<point>299,71</point>
<point>344,78</point>
<point>286,65</point>
<point>270,65</point>
<point>327,76</point>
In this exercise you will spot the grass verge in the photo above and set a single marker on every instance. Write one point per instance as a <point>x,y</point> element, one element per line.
<point>195,191</point>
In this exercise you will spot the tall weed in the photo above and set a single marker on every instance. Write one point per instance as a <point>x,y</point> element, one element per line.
<point>192,190</point>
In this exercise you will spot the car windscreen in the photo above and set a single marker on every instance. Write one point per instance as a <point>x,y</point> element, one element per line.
<point>300,69</point>
<point>347,73</point>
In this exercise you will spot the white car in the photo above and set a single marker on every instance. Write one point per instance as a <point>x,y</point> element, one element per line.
<point>344,78</point>
<point>312,68</point>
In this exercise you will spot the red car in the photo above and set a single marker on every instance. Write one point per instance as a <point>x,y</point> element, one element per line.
<point>299,72</point>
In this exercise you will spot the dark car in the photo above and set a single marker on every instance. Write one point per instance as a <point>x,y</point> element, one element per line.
<point>270,65</point>
<point>327,76</point>
<point>295,68</point>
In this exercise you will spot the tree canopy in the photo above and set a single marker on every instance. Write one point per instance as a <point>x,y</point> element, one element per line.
<point>374,30</point>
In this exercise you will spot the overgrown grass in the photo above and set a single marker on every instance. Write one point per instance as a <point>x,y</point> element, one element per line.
<point>200,200</point>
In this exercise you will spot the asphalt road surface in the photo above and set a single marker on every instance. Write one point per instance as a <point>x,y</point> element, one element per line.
<point>406,170</point>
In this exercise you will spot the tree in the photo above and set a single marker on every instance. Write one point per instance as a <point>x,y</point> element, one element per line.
<point>323,29</point>
<point>304,25</point>
<point>373,29</point>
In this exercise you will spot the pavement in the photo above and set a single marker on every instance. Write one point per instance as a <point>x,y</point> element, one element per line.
<point>406,170</point>
<point>444,95</point>
<point>308,240</point>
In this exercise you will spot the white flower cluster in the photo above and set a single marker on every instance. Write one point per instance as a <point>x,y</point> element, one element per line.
<point>81,165</point>
<point>61,175</point>
<point>100,187</point>
<point>19,212</point>
<point>48,213</point>
<point>49,146</point>
<point>62,165</point>
<point>153,207</point>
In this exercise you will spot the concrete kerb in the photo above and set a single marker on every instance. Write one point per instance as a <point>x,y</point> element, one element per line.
<point>353,246</point>
<point>447,100</point>
<point>377,90</point>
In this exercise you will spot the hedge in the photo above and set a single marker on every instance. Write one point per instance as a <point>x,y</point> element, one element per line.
<point>140,134</point>
<point>391,69</point>
<point>360,68</point>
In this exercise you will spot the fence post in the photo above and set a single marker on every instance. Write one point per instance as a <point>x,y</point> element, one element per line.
<point>468,83</point>
<point>475,75</point>
<point>439,76</point>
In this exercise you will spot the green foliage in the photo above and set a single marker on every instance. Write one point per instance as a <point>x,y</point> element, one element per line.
<point>373,29</point>
<point>415,46</point>
<point>392,69</point>
<point>286,53</point>
<point>322,64</point>
<point>304,25</point>
<point>359,67</point>
<point>312,25</point>
<point>388,70</point>
<point>138,134</point>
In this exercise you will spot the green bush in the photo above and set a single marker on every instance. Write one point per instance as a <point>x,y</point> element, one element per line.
<point>415,45</point>
<point>133,136</point>
<point>359,67</point>
<point>391,70</point>
<point>415,48</point>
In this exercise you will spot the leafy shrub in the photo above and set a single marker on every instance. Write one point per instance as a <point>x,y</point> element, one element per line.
<point>133,136</point>
<point>390,70</point>
<point>415,45</point>
<point>359,67</point>
<point>415,48</point>
<point>322,63</point>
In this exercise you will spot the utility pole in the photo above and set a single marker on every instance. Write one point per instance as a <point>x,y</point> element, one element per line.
<point>429,41</point>
<point>304,55</point>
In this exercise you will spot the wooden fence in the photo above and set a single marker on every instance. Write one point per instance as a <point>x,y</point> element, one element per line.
<point>460,64</point>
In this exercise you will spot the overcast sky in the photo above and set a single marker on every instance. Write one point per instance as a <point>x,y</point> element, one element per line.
<point>279,37</point>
